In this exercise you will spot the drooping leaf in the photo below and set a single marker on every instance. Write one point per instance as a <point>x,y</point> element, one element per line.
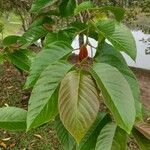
<point>48,55</point>
<point>118,12</point>
<point>84,6</point>
<point>119,35</point>
<point>111,138</point>
<point>34,34</point>
<point>40,4</point>
<point>78,103</point>
<point>12,118</point>
<point>63,135</point>
<point>107,54</point>
<point>90,139</point>
<point>142,141</point>
<point>117,94</point>
<point>44,97</point>
<point>67,7</point>
<point>19,59</point>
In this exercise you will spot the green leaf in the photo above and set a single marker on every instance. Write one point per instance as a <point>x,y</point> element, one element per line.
<point>142,141</point>
<point>63,135</point>
<point>119,35</point>
<point>48,55</point>
<point>78,103</point>
<point>9,40</point>
<point>40,4</point>
<point>84,6</point>
<point>118,12</point>
<point>59,36</point>
<point>44,97</point>
<point>34,34</point>
<point>12,118</point>
<point>107,54</point>
<point>67,7</point>
<point>90,139</point>
<point>112,138</point>
<point>117,94</point>
<point>41,21</point>
<point>14,41</point>
<point>20,59</point>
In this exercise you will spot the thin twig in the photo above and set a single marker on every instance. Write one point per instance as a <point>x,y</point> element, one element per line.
<point>80,16</point>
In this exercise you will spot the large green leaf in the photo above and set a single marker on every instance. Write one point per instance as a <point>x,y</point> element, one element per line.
<point>119,35</point>
<point>83,6</point>
<point>78,103</point>
<point>40,4</point>
<point>34,34</point>
<point>107,54</point>
<point>117,94</point>
<point>67,7</point>
<point>44,97</point>
<point>142,141</point>
<point>111,138</point>
<point>90,139</point>
<point>48,55</point>
<point>12,118</point>
<point>20,59</point>
<point>63,135</point>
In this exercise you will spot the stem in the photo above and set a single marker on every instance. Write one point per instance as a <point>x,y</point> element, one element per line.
<point>2,35</point>
<point>80,16</point>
